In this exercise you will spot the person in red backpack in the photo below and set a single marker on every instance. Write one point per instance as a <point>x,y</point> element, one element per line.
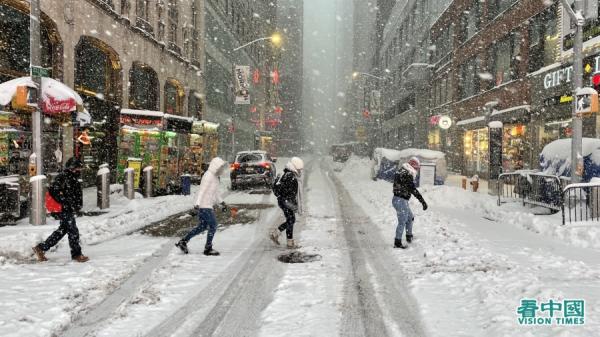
<point>66,190</point>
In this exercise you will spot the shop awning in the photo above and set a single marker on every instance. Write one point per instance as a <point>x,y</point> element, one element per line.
<point>470,121</point>
<point>509,115</point>
<point>149,113</point>
<point>56,96</point>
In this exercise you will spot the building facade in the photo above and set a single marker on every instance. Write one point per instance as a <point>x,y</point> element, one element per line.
<point>506,61</point>
<point>230,24</point>
<point>116,54</point>
<point>290,23</point>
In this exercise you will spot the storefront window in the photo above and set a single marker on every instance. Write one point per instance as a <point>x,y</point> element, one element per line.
<point>144,87</point>
<point>513,147</point>
<point>552,131</point>
<point>476,143</point>
<point>434,140</point>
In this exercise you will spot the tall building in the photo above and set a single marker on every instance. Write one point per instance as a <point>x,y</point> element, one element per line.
<point>230,24</point>
<point>290,21</point>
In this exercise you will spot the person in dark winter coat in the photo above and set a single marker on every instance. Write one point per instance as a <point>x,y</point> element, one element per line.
<point>286,190</point>
<point>66,190</point>
<point>404,188</point>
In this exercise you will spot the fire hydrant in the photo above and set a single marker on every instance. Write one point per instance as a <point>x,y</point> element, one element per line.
<point>475,183</point>
<point>464,183</point>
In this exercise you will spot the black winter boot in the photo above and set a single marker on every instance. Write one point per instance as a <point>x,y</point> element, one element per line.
<point>183,246</point>
<point>398,244</point>
<point>409,238</point>
<point>211,252</point>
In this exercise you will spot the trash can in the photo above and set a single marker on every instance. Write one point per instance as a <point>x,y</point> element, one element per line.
<point>186,184</point>
<point>147,188</point>
<point>103,187</point>
<point>128,187</point>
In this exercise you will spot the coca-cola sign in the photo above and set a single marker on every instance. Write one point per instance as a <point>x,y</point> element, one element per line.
<point>53,106</point>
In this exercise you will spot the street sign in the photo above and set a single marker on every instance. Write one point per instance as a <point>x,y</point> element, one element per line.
<point>445,122</point>
<point>40,71</point>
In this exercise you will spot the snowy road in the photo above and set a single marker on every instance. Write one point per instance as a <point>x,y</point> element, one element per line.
<point>464,273</point>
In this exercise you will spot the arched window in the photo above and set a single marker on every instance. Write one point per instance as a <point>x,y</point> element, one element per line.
<point>97,70</point>
<point>144,88</point>
<point>14,42</point>
<point>195,105</point>
<point>174,96</point>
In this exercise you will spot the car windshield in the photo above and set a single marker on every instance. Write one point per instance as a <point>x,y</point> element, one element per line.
<point>249,157</point>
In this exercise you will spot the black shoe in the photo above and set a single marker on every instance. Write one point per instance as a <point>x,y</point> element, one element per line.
<point>398,244</point>
<point>211,252</point>
<point>409,238</point>
<point>183,246</point>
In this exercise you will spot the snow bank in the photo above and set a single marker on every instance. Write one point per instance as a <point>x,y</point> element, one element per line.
<point>396,155</point>
<point>555,158</point>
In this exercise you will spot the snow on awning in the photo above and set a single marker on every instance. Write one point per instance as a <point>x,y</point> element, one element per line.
<point>84,118</point>
<point>187,119</point>
<point>149,113</point>
<point>526,107</point>
<point>471,120</point>
<point>56,96</point>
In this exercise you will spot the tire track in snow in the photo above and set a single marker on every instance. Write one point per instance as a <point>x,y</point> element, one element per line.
<point>231,305</point>
<point>377,286</point>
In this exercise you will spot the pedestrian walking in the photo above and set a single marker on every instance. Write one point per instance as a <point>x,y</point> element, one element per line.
<point>66,190</point>
<point>404,187</point>
<point>286,189</point>
<point>208,197</point>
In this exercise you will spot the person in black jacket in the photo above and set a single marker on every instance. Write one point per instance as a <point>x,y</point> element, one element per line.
<point>66,190</point>
<point>286,190</point>
<point>404,187</point>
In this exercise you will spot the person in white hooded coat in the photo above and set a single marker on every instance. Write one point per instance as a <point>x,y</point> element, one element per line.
<point>208,197</point>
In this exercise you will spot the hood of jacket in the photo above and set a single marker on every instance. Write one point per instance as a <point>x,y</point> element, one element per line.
<point>290,167</point>
<point>410,170</point>
<point>215,165</point>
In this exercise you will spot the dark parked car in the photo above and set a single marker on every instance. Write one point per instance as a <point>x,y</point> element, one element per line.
<point>252,168</point>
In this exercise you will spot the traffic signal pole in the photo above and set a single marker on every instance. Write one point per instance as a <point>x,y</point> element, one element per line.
<point>577,124</point>
<point>37,214</point>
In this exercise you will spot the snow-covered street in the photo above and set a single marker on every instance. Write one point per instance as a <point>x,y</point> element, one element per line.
<point>468,268</point>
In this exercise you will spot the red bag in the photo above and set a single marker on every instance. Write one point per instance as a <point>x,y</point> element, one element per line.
<point>52,206</point>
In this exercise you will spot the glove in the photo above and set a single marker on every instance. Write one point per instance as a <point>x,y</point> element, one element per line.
<point>425,206</point>
<point>224,207</point>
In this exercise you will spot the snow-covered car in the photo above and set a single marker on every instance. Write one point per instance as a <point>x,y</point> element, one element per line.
<point>386,162</point>
<point>252,168</point>
<point>555,158</point>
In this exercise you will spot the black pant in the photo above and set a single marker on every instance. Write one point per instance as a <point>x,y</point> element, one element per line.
<point>69,227</point>
<point>290,219</point>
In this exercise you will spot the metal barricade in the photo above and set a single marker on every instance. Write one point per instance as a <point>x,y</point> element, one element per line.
<point>544,190</point>
<point>511,187</point>
<point>581,202</point>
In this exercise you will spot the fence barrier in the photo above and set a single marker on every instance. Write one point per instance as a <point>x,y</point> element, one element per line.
<point>581,202</point>
<point>577,202</point>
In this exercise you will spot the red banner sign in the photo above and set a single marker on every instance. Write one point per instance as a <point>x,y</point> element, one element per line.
<point>55,106</point>
<point>141,121</point>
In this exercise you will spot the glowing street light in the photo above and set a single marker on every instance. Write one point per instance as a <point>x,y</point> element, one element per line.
<point>357,73</point>
<point>276,39</point>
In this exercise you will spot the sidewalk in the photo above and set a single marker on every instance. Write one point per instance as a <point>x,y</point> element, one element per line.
<point>455,180</point>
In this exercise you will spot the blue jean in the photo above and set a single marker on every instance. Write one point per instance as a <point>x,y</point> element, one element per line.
<point>290,219</point>
<point>405,216</point>
<point>206,219</point>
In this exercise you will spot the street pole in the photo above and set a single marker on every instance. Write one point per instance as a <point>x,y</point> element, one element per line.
<point>37,203</point>
<point>577,141</point>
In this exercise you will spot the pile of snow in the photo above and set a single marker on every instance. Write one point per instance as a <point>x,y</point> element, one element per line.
<point>397,155</point>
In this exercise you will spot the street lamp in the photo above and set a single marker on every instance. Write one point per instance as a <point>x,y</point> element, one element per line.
<point>358,73</point>
<point>276,39</point>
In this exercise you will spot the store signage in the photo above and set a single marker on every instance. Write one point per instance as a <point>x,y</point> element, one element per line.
<point>434,120</point>
<point>144,121</point>
<point>52,105</point>
<point>427,175</point>
<point>561,76</point>
<point>242,85</point>
<point>445,122</point>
